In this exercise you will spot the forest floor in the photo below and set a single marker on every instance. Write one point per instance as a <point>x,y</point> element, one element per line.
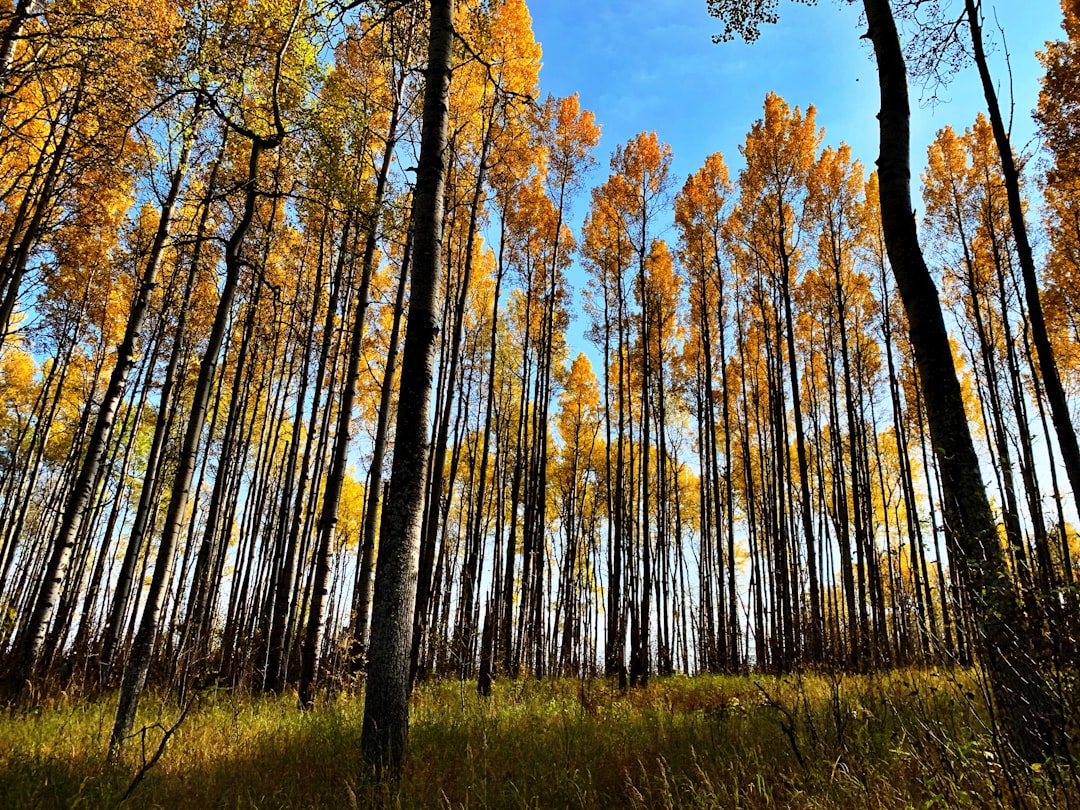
<point>909,739</point>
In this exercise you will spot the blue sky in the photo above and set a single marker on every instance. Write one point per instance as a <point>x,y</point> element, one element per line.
<point>652,65</point>
<point>643,66</point>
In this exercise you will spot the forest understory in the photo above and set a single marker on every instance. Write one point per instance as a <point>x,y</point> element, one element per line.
<point>906,739</point>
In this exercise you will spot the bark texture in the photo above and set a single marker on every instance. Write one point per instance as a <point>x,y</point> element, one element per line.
<point>386,704</point>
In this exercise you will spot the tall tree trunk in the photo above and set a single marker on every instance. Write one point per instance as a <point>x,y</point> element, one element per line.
<point>19,15</point>
<point>1026,708</point>
<point>362,600</point>
<point>15,265</point>
<point>804,472</point>
<point>436,504</point>
<point>466,628</point>
<point>386,703</point>
<point>147,497</point>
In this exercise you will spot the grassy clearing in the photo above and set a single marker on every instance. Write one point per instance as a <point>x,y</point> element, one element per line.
<point>905,740</point>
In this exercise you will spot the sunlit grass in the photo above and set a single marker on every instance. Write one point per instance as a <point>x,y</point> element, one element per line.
<point>905,740</point>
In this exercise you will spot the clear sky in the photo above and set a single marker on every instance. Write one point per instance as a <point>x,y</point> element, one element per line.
<point>644,65</point>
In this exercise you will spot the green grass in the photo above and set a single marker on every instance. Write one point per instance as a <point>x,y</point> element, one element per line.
<point>906,740</point>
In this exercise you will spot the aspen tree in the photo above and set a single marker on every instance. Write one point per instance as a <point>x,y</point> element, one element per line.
<point>386,704</point>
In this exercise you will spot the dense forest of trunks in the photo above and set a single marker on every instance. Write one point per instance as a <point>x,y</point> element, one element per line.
<point>205,243</point>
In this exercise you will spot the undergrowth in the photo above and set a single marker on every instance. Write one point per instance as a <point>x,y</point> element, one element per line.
<point>904,740</point>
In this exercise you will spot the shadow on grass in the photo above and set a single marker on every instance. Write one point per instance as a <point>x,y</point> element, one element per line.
<point>316,766</point>
<point>53,783</point>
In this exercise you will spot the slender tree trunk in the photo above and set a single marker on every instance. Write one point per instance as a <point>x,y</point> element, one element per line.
<point>12,271</point>
<point>79,498</point>
<point>924,602</point>
<point>470,573</point>
<point>1055,393</point>
<point>286,579</point>
<point>19,15</point>
<point>143,648</point>
<point>438,462</point>
<point>336,478</point>
<point>806,518</point>
<point>362,618</point>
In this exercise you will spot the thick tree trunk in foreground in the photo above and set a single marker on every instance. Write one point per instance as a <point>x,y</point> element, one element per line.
<point>386,705</point>
<point>1024,706</point>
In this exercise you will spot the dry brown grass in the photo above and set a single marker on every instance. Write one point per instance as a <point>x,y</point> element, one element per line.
<point>902,740</point>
